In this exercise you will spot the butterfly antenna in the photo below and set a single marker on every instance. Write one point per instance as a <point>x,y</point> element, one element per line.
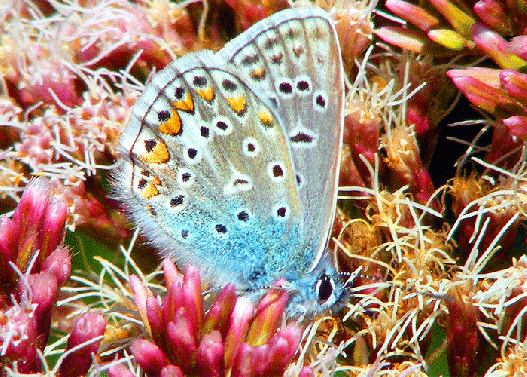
<point>275,287</point>
<point>351,276</point>
<point>365,299</point>
<point>356,274</point>
<point>212,290</point>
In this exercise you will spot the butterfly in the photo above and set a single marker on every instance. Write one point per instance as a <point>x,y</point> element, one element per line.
<point>230,159</point>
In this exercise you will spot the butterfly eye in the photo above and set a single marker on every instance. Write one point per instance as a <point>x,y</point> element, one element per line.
<point>324,288</point>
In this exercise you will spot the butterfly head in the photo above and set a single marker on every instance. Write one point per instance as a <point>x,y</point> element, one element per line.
<point>320,290</point>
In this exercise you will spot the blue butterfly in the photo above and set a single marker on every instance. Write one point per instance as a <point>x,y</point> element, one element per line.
<point>231,159</point>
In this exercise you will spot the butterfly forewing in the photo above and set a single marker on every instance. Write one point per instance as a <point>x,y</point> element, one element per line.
<point>294,63</point>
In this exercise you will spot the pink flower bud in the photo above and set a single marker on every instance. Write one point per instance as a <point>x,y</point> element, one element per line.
<point>362,135</point>
<point>182,340</point>
<point>44,290</point>
<point>354,26</point>
<point>151,359</point>
<point>460,20</point>
<point>218,315</point>
<point>262,361</point>
<point>53,227</point>
<point>482,95</point>
<point>407,39</point>
<point>283,346</point>
<point>349,172</point>
<point>191,296</point>
<point>88,326</point>
<point>515,84</point>
<point>238,328</point>
<point>492,13</point>
<point>517,125</point>
<point>171,273</point>
<point>413,14</point>
<point>171,371</point>
<point>28,218</point>
<point>245,362</point>
<point>462,335</point>
<point>518,46</point>
<point>209,356</point>
<point>172,301</point>
<point>8,253</point>
<point>449,39</point>
<point>58,264</point>
<point>267,317</point>
<point>18,334</point>
<point>156,322</point>
<point>492,44</point>
<point>120,370</point>
<point>141,293</point>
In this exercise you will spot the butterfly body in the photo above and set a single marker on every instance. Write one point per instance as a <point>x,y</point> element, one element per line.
<point>230,159</point>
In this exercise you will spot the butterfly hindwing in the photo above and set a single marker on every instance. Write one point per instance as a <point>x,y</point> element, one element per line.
<point>210,172</point>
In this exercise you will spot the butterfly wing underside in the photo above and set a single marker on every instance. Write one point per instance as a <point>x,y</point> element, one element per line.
<point>230,159</point>
<point>207,175</point>
<point>294,62</point>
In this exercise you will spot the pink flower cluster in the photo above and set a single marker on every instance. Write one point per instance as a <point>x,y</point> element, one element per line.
<point>34,265</point>
<point>233,337</point>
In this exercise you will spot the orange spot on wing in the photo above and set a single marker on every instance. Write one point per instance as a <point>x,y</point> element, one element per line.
<point>186,104</point>
<point>207,94</point>
<point>159,154</point>
<point>149,191</point>
<point>237,104</point>
<point>266,118</point>
<point>258,74</point>
<point>172,126</point>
